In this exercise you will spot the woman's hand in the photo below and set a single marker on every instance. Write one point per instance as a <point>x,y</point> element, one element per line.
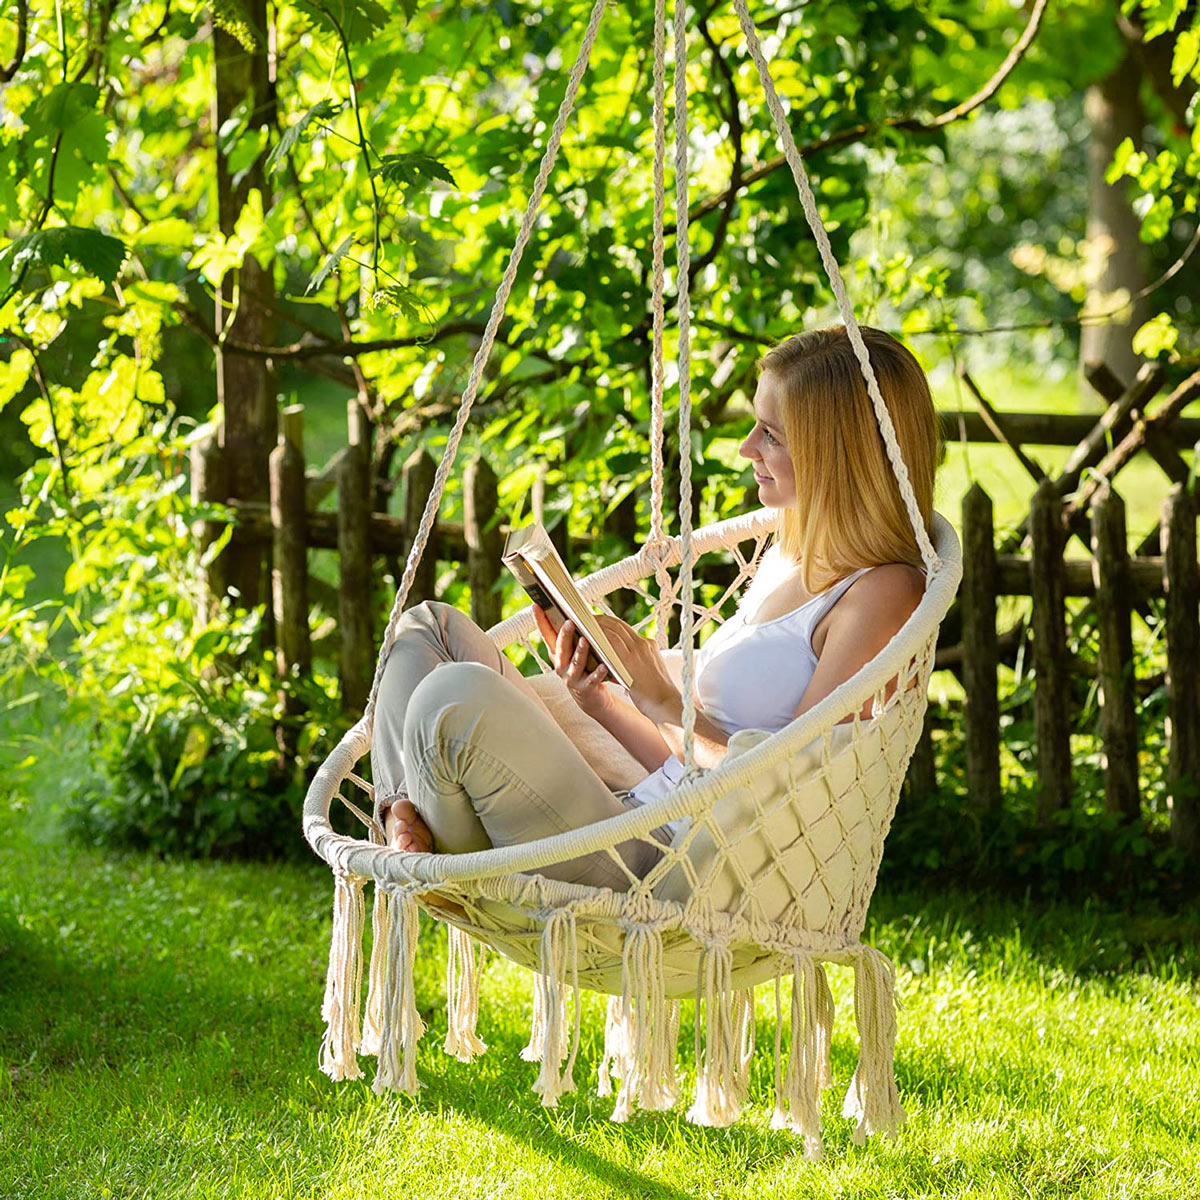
<point>569,654</point>
<point>653,690</point>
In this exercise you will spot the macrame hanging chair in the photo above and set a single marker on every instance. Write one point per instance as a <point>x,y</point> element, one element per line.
<point>770,874</point>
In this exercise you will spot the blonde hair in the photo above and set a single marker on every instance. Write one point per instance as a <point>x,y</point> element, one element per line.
<point>848,511</point>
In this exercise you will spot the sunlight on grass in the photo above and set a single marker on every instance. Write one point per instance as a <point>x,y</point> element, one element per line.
<point>162,1027</point>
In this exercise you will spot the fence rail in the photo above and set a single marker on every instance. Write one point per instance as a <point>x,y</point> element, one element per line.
<point>1079,509</point>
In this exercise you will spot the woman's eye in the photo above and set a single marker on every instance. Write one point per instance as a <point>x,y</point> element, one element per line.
<point>769,436</point>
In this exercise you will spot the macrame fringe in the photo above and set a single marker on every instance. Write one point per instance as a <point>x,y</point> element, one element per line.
<point>372,1031</point>
<point>549,1032</point>
<point>808,1070</point>
<point>462,997</point>
<point>641,1030</point>
<point>723,1068</point>
<point>401,1026</point>
<point>872,1099</point>
<point>343,980</point>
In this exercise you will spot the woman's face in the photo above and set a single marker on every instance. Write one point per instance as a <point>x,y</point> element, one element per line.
<point>773,469</point>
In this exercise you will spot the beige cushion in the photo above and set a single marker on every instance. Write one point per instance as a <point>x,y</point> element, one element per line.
<point>800,837</point>
<point>603,753</point>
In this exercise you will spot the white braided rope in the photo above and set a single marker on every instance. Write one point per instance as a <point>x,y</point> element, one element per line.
<point>833,271</point>
<point>683,285</point>
<point>662,608</point>
<point>482,355</point>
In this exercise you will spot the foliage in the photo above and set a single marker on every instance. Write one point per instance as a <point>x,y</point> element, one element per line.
<point>189,747</point>
<point>380,189</point>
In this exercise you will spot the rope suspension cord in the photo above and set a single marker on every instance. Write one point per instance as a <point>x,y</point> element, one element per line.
<point>481,357</point>
<point>833,272</point>
<point>662,608</point>
<point>683,268</point>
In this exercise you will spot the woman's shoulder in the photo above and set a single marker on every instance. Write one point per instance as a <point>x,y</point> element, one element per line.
<point>874,607</point>
<point>885,595</point>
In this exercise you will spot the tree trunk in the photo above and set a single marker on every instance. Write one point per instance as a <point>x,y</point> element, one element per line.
<point>1114,111</point>
<point>245,385</point>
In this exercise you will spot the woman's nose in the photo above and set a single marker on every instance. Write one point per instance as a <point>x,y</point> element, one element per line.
<point>746,449</point>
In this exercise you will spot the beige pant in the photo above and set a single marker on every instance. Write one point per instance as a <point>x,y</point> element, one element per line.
<point>462,732</point>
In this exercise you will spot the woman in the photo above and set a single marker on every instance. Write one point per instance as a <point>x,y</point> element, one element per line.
<point>484,762</point>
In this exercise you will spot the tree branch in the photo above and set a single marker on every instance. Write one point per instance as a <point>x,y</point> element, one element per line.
<point>734,118</point>
<point>907,124</point>
<point>311,347</point>
<point>6,73</point>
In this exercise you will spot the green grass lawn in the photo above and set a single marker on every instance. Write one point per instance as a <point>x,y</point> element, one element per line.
<point>160,1032</point>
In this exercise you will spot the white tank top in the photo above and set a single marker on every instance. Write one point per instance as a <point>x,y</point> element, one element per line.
<point>754,675</point>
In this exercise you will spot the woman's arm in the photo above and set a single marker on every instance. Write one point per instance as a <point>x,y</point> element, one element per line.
<point>711,743</point>
<point>635,731</point>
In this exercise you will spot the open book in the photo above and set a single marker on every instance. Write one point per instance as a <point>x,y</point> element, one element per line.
<point>531,557</point>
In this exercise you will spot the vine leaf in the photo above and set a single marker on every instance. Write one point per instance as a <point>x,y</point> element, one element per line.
<point>97,253</point>
<point>328,267</point>
<point>402,300</point>
<point>322,111</point>
<point>411,170</point>
<point>358,20</point>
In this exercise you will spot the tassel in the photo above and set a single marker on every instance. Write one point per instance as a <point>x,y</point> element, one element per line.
<point>779,1115</point>
<point>549,1035</point>
<point>744,1037</point>
<point>343,980</point>
<point>824,1013</point>
<point>717,1100</point>
<point>644,1054</point>
<point>380,932</point>
<point>401,1026</point>
<point>806,1062</point>
<point>462,998</point>
<point>872,1099</point>
<point>616,1049</point>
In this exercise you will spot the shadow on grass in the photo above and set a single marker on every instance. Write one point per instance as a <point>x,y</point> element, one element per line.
<point>64,1011</point>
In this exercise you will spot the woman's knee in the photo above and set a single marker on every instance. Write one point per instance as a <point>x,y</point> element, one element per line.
<point>453,695</point>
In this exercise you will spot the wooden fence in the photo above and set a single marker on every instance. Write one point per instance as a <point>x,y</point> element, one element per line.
<point>1078,508</point>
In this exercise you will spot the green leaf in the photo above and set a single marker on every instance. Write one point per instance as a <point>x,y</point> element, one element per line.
<point>1187,54</point>
<point>323,111</point>
<point>410,170</point>
<point>96,252</point>
<point>1155,336</point>
<point>1160,16</point>
<point>66,104</point>
<point>330,264</point>
<point>357,20</point>
<point>1122,158</point>
<point>402,300</point>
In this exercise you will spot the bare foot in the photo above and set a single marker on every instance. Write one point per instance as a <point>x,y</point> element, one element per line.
<point>403,828</point>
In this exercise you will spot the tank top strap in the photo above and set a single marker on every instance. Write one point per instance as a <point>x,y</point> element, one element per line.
<point>830,597</point>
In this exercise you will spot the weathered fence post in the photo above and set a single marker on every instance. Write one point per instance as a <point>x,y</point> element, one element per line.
<point>1114,604</point>
<point>289,573</point>
<point>418,475</point>
<point>921,779</point>
<point>485,542</point>
<point>1051,695</point>
<point>210,485</point>
<point>978,599</point>
<point>355,585</point>
<point>1182,586</point>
